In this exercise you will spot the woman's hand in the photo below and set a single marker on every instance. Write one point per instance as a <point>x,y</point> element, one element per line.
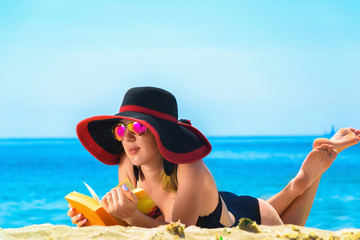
<point>76,218</point>
<point>121,203</point>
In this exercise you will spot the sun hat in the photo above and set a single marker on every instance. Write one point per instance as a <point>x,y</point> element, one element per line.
<point>156,109</point>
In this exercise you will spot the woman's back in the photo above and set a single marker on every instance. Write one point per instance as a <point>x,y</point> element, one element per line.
<point>194,181</point>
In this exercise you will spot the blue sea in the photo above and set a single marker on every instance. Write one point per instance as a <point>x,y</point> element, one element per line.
<point>36,174</point>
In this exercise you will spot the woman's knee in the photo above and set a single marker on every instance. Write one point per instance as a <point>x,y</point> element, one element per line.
<point>268,214</point>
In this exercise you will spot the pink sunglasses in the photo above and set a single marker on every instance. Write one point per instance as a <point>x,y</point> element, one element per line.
<point>136,128</point>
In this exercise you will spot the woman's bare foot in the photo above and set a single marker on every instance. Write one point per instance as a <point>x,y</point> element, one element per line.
<point>315,164</point>
<point>341,140</point>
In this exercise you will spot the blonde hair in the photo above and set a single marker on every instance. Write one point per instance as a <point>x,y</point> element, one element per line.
<point>170,183</point>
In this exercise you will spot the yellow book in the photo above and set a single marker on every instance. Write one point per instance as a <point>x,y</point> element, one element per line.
<point>94,212</point>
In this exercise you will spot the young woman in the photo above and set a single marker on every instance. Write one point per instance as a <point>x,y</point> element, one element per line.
<point>164,156</point>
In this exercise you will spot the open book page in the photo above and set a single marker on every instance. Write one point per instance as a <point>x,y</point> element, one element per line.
<point>93,194</point>
<point>126,182</point>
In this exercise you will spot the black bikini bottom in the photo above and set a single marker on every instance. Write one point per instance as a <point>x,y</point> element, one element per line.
<point>242,206</point>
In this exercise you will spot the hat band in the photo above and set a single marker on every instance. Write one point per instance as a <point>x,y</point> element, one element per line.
<point>134,108</point>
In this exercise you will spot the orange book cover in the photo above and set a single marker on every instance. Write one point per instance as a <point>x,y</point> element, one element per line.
<point>92,209</point>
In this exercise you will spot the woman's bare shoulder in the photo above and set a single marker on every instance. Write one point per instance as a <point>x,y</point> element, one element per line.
<point>193,166</point>
<point>192,173</point>
<point>196,168</point>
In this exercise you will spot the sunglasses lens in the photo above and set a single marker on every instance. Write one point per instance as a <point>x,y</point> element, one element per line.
<point>137,128</point>
<point>119,131</point>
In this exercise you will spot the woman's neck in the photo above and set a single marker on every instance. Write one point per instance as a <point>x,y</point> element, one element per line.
<point>153,169</point>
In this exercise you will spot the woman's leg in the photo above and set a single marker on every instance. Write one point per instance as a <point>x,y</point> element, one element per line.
<point>294,202</point>
<point>298,211</point>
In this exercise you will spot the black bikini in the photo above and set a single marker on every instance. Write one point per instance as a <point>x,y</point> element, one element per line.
<point>213,219</point>
<point>239,206</point>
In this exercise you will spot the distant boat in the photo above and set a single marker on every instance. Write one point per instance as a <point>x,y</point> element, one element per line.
<point>332,131</point>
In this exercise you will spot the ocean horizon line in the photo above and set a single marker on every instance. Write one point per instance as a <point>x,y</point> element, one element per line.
<point>208,136</point>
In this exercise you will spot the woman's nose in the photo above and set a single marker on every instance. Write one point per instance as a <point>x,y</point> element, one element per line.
<point>128,135</point>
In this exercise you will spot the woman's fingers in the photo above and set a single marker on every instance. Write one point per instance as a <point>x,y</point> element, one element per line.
<point>81,223</point>
<point>114,196</point>
<point>104,203</point>
<point>129,194</point>
<point>108,200</point>
<point>79,220</point>
<point>76,218</point>
<point>125,193</point>
<point>72,212</point>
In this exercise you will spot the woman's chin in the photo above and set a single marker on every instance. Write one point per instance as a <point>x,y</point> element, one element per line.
<point>135,161</point>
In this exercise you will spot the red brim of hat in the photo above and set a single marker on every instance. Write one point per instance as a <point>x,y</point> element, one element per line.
<point>95,133</point>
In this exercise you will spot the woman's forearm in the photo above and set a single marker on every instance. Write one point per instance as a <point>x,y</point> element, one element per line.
<point>141,220</point>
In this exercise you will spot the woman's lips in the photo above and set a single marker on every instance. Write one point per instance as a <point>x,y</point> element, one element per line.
<point>133,150</point>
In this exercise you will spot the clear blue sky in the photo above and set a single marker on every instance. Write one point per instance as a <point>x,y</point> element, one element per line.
<point>236,67</point>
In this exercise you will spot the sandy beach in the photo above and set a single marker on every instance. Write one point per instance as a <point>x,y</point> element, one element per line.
<point>174,231</point>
